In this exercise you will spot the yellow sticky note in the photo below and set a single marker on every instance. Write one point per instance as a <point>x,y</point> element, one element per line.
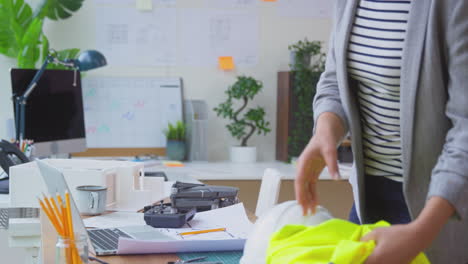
<point>144,5</point>
<point>226,63</point>
<point>173,164</point>
<point>269,0</point>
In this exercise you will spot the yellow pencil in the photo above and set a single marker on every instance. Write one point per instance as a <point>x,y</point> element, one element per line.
<point>51,218</point>
<point>56,208</point>
<point>75,257</point>
<point>55,215</point>
<point>68,250</point>
<point>202,231</point>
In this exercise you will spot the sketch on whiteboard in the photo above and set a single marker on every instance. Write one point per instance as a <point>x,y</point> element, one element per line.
<point>133,38</point>
<point>126,112</point>
<point>214,33</point>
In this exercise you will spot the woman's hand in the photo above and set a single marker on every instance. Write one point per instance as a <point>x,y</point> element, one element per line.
<point>319,152</point>
<point>395,244</point>
<point>402,243</point>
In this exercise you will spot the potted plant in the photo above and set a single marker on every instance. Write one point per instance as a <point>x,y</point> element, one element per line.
<point>305,51</point>
<point>175,146</point>
<point>244,122</point>
<point>307,66</point>
<point>22,36</point>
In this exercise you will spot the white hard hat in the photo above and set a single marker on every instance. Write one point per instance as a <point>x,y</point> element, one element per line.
<point>287,213</point>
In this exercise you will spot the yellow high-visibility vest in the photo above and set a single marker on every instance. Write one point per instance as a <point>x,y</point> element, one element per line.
<point>334,241</point>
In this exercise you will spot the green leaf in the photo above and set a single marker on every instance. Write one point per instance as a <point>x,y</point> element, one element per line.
<point>45,47</point>
<point>15,16</point>
<point>175,132</point>
<point>62,9</point>
<point>29,53</point>
<point>23,14</point>
<point>64,55</point>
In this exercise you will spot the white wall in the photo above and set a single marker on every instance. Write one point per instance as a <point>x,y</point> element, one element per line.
<point>207,83</point>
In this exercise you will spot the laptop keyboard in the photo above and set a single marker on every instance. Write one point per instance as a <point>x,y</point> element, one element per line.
<point>106,239</point>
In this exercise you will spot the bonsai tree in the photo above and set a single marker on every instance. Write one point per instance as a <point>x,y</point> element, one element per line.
<point>175,132</point>
<point>244,122</point>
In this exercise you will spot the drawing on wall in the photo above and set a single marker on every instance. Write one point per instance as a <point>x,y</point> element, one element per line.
<point>231,3</point>
<point>305,8</point>
<point>133,38</point>
<point>133,2</point>
<point>130,112</point>
<point>216,33</point>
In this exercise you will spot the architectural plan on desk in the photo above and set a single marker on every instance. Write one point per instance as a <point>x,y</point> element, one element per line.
<point>233,218</point>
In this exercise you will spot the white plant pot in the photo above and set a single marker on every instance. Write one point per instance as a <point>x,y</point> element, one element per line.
<point>243,154</point>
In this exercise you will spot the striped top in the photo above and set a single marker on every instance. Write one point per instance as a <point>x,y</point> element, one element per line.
<point>374,60</point>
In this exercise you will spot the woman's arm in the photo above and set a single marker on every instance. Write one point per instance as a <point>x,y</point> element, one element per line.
<point>450,175</point>
<point>402,243</point>
<point>448,190</point>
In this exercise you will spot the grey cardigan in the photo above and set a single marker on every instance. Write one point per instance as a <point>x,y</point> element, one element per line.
<point>433,114</point>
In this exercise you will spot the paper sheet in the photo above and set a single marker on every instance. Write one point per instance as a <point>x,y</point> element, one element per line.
<point>305,8</point>
<point>134,38</point>
<point>233,218</point>
<point>112,220</point>
<point>211,34</point>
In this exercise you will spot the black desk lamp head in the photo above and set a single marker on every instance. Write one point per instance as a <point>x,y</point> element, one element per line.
<point>87,60</point>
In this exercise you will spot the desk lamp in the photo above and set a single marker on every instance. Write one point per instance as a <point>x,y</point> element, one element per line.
<point>87,60</point>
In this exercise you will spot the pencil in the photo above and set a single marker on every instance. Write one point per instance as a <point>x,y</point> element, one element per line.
<point>55,215</point>
<point>68,248</point>
<point>51,218</point>
<point>75,256</point>
<point>202,231</point>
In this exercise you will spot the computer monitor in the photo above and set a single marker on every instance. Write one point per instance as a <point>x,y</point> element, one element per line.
<point>54,111</point>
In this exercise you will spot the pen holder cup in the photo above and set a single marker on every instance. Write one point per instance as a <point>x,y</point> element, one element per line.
<point>71,251</point>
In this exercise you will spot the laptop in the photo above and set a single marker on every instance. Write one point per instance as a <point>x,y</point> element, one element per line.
<point>102,241</point>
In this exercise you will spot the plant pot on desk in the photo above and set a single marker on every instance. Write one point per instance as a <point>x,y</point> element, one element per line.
<point>175,149</point>
<point>241,154</point>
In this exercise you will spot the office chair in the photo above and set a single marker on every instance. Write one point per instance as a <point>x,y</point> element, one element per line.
<point>269,191</point>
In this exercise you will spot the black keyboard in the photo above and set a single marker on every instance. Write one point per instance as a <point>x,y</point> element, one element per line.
<point>106,239</point>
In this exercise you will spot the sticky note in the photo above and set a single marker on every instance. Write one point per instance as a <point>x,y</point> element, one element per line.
<point>144,5</point>
<point>173,164</point>
<point>269,0</point>
<point>226,63</point>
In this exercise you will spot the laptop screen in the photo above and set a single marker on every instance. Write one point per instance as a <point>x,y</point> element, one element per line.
<point>56,184</point>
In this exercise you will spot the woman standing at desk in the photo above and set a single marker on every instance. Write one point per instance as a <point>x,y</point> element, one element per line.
<point>396,78</point>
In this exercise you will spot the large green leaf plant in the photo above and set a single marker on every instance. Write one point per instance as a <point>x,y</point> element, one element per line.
<point>21,34</point>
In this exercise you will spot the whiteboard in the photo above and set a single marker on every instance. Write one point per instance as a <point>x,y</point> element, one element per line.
<point>130,112</point>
